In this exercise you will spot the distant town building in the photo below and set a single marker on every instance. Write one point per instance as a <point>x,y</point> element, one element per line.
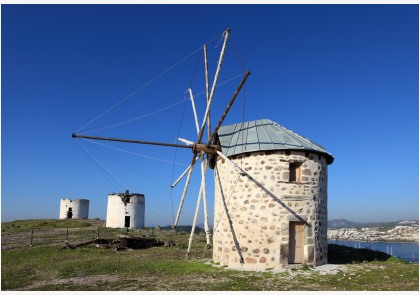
<point>125,210</point>
<point>76,209</point>
<point>278,217</point>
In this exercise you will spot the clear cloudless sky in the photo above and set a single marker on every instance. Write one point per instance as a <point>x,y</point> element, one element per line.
<point>344,76</point>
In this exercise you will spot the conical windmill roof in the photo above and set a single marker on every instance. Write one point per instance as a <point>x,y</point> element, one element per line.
<point>264,135</point>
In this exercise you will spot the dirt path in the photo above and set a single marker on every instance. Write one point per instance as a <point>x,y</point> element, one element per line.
<point>88,280</point>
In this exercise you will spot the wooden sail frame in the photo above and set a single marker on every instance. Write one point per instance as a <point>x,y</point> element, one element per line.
<point>206,152</point>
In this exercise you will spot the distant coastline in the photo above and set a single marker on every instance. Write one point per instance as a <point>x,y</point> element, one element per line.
<point>405,231</point>
<point>377,241</point>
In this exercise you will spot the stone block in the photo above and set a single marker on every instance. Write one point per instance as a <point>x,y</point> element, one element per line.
<point>284,253</point>
<point>307,172</point>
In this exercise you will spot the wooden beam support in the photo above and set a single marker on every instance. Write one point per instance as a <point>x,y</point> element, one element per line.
<point>74,135</point>
<point>229,106</point>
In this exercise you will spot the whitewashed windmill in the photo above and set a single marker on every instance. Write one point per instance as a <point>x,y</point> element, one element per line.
<point>205,152</point>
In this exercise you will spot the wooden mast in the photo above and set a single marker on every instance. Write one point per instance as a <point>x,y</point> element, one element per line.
<point>196,147</point>
<point>216,77</point>
<point>184,192</point>
<point>206,72</point>
<point>229,106</point>
<point>206,217</point>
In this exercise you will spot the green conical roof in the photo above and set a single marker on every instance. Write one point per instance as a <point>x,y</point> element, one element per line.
<point>264,135</point>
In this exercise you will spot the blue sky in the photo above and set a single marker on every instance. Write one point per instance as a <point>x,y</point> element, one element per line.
<point>344,76</point>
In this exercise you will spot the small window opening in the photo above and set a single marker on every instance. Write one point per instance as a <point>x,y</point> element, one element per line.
<point>294,172</point>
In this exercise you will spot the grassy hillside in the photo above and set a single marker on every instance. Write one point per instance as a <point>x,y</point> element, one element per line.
<point>53,267</point>
<point>26,225</point>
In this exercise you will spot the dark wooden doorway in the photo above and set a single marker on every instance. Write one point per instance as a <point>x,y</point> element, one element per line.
<point>70,213</point>
<point>127,221</point>
<point>296,241</point>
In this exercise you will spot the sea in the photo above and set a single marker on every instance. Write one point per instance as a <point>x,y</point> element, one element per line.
<point>405,251</point>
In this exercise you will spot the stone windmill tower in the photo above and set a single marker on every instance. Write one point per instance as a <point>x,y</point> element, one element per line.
<point>270,198</point>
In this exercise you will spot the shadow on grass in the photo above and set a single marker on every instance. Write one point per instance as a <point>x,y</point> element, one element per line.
<point>122,243</point>
<point>338,254</point>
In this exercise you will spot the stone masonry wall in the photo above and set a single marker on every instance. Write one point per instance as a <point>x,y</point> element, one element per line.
<point>251,220</point>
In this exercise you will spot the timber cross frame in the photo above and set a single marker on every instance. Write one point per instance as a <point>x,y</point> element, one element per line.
<point>212,149</point>
<point>196,147</point>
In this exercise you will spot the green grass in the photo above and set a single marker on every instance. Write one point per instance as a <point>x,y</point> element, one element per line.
<point>166,269</point>
<point>390,275</point>
<point>25,225</point>
<point>53,268</point>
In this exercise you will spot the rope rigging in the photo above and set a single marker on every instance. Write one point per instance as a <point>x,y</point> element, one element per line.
<point>199,149</point>
<point>143,86</point>
<point>113,179</point>
<point>134,119</point>
<point>184,100</point>
<point>175,154</point>
<point>136,154</point>
<point>179,132</point>
<point>137,90</point>
<point>103,170</point>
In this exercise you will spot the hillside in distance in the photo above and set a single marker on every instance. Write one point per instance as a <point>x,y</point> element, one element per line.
<point>332,224</point>
<point>344,223</point>
<point>184,228</point>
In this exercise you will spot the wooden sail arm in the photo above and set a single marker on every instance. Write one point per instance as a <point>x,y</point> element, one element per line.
<point>229,106</point>
<point>210,150</point>
<point>216,77</point>
<point>206,72</point>
<point>195,147</point>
